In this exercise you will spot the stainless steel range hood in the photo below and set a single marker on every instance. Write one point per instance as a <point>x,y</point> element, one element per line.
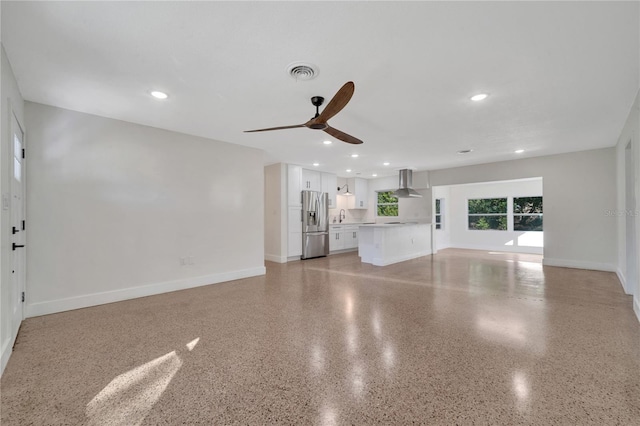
<point>405,183</point>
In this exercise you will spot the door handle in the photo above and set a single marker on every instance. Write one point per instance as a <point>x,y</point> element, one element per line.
<point>14,230</point>
<point>15,246</point>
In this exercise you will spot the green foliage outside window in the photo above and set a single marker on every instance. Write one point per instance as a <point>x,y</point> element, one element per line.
<point>481,223</point>
<point>488,205</point>
<point>387,204</point>
<point>527,214</point>
<point>527,205</point>
<point>488,214</point>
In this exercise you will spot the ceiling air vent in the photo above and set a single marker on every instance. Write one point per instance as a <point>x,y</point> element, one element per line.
<point>302,71</point>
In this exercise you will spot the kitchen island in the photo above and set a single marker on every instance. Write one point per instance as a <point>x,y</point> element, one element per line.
<point>385,243</point>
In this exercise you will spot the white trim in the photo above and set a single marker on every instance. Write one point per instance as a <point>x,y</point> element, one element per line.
<point>275,258</point>
<point>7,349</point>
<point>636,307</point>
<point>622,279</point>
<point>507,249</point>
<point>579,264</point>
<point>349,250</point>
<point>60,305</point>
<point>397,259</point>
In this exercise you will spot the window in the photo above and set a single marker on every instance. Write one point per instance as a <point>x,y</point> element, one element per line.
<point>527,214</point>
<point>387,204</point>
<point>488,214</point>
<point>439,208</point>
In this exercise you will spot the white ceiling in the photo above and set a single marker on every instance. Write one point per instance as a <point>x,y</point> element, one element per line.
<point>561,76</point>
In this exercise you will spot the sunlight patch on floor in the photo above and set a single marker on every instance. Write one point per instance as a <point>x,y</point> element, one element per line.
<point>192,344</point>
<point>129,397</point>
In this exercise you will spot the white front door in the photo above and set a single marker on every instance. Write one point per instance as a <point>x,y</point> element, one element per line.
<point>18,226</point>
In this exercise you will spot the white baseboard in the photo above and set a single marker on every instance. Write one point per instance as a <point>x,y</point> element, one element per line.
<point>622,279</point>
<point>507,249</point>
<point>397,259</point>
<point>349,250</point>
<point>84,301</point>
<point>636,307</point>
<point>579,264</point>
<point>275,258</point>
<point>7,348</point>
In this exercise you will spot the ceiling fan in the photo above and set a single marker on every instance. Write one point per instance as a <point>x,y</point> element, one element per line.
<point>319,121</point>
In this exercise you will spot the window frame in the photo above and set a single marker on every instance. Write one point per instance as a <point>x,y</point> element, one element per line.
<point>505,214</point>
<point>378,204</point>
<point>439,215</point>
<point>514,214</point>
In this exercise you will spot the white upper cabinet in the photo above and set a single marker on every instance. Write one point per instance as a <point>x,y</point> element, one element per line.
<point>300,179</point>
<point>360,189</point>
<point>294,186</point>
<point>329,185</point>
<point>311,180</point>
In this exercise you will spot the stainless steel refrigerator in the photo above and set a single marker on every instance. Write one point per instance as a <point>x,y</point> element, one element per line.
<point>315,224</point>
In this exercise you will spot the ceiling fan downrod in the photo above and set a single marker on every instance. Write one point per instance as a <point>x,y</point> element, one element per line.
<point>317,101</point>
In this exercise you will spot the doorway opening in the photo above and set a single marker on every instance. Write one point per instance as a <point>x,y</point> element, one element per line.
<point>501,216</point>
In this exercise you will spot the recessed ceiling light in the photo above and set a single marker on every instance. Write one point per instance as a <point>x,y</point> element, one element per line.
<point>479,97</point>
<point>464,151</point>
<point>519,151</point>
<point>374,175</point>
<point>316,164</point>
<point>354,155</point>
<point>348,170</point>
<point>386,163</point>
<point>159,95</point>
<point>327,142</point>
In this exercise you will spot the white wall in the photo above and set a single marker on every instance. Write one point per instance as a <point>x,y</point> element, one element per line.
<point>513,241</point>
<point>578,191</point>
<point>11,100</point>
<point>113,206</point>
<point>630,133</point>
<point>275,212</point>
<point>342,202</point>
<point>409,209</point>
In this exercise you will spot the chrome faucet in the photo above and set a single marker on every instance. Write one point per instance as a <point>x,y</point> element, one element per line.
<point>342,215</point>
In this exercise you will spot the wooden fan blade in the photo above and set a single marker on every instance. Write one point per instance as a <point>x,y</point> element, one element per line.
<point>342,136</point>
<point>339,101</point>
<point>275,128</point>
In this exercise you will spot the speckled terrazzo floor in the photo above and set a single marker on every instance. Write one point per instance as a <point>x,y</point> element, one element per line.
<point>463,337</point>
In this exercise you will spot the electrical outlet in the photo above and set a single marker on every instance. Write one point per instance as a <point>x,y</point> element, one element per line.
<point>191,260</point>
<point>182,261</point>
